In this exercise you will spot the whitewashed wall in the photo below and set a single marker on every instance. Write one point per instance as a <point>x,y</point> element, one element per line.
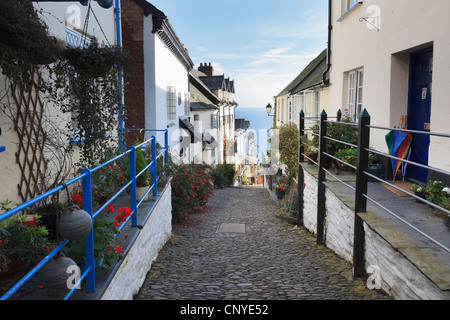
<point>135,266</point>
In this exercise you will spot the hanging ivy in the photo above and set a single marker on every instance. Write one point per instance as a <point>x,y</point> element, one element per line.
<point>24,41</point>
<point>84,84</point>
<point>82,81</point>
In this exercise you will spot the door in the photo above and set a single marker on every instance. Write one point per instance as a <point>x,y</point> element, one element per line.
<point>419,111</point>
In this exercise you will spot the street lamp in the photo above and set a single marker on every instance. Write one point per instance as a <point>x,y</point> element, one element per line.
<point>269,110</point>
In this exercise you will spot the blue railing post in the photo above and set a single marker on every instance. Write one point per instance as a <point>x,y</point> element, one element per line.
<point>166,142</point>
<point>133,186</point>
<point>153,167</point>
<point>89,240</point>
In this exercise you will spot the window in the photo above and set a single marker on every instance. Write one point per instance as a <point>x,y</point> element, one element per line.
<point>196,117</point>
<point>214,121</point>
<point>171,103</point>
<point>187,104</point>
<point>351,3</point>
<point>317,103</point>
<point>355,93</point>
<point>290,111</point>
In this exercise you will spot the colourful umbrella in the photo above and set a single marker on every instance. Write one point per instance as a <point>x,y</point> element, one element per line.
<point>394,139</point>
<point>402,152</point>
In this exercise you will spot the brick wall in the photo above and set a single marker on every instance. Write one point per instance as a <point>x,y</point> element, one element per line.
<point>132,37</point>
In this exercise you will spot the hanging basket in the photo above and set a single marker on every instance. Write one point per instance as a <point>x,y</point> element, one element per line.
<point>75,224</point>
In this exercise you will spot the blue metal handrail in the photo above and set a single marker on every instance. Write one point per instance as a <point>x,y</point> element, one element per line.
<point>85,177</point>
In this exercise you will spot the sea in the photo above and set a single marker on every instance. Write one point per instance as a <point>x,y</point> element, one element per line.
<point>260,122</point>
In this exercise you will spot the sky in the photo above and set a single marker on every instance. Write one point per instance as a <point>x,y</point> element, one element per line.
<point>261,44</point>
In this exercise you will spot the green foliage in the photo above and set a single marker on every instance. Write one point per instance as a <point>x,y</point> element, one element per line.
<point>191,188</point>
<point>435,191</point>
<point>341,132</point>
<point>21,238</point>
<point>105,227</point>
<point>224,175</point>
<point>91,97</point>
<point>142,180</point>
<point>288,145</point>
<point>24,41</point>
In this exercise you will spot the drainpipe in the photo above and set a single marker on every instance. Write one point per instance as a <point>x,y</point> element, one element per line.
<point>330,28</point>
<point>120,76</point>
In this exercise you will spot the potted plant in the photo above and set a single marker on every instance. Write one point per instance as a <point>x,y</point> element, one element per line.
<point>142,183</point>
<point>310,153</point>
<point>349,156</point>
<point>106,252</point>
<point>22,243</point>
<point>281,187</point>
<point>418,191</point>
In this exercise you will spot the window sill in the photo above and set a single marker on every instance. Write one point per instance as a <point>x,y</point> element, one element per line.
<point>350,10</point>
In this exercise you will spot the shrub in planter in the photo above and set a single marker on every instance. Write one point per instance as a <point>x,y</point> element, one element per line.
<point>23,240</point>
<point>192,186</point>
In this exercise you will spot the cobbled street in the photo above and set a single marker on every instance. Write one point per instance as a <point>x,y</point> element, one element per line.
<point>243,250</point>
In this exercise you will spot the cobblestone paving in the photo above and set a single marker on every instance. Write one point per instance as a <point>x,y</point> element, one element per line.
<point>270,260</point>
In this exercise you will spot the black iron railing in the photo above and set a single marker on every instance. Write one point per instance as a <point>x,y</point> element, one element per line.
<point>362,174</point>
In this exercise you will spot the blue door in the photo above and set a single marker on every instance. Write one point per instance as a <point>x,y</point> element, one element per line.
<point>419,111</point>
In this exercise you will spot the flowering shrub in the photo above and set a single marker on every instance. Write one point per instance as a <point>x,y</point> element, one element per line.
<point>435,191</point>
<point>105,230</point>
<point>106,182</point>
<point>281,185</point>
<point>191,188</point>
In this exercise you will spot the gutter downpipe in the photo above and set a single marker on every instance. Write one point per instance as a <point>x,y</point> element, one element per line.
<point>330,28</point>
<point>120,75</point>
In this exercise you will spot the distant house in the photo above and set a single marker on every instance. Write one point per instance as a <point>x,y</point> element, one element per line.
<point>204,115</point>
<point>246,148</point>
<point>158,95</point>
<point>392,59</point>
<point>224,89</point>
<point>306,92</point>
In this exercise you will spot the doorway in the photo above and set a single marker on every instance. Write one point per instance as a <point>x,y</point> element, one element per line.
<point>419,111</point>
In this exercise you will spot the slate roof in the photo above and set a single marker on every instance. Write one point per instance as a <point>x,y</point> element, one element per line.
<point>165,31</point>
<point>311,76</point>
<point>201,96</point>
<point>214,82</point>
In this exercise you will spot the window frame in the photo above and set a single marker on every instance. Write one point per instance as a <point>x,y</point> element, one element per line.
<point>187,104</point>
<point>171,95</point>
<point>355,93</point>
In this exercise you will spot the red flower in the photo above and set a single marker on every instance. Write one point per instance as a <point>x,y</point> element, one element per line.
<point>77,198</point>
<point>111,208</point>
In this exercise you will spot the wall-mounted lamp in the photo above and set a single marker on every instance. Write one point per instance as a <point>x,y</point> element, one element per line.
<point>269,110</point>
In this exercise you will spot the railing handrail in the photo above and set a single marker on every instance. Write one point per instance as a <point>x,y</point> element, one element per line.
<point>363,171</point>
<point>84,175</point>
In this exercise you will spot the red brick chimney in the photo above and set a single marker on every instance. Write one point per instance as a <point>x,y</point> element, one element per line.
<point>206,69</point>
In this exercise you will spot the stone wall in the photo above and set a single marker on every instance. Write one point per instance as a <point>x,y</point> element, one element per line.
<point>135,266</point>
<point>400,277</point>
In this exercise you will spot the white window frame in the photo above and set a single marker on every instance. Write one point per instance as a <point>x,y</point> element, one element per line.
<point>214,121</point>
<point>355,93</point>
<point>187,104</point>
<point>349,4</point>
<point>171,103</point>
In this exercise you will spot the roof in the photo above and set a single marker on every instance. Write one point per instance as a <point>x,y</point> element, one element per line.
<point>201,106</point>
<point>310,76</point>
<point>214,82</point>
<point>201,95</point>
<point>163,28</point>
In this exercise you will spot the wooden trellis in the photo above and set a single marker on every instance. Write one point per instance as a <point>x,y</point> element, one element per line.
<point>28,125</point>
